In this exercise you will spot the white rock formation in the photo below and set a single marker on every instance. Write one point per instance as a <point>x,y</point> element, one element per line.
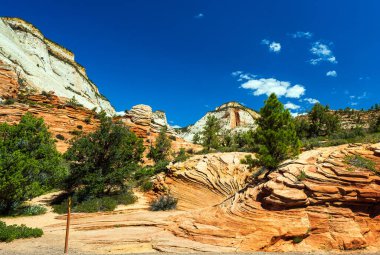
<point>42,65</point>
<point>233,117</point>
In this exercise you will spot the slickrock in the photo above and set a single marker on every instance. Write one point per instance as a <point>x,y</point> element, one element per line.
<point>316,202</point>
<point>205,180</point>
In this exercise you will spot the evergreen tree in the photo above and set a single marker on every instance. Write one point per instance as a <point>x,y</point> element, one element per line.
<point>161,150</point>
<point>29,162</point>
<point>276,134</point>
<point>322,122</point>
<point>100,162</point>
<point>196,138</point>
<point>210,133</point>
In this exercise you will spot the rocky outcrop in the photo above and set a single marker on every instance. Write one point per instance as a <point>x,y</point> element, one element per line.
<point>64,121</point>
<point>316,202</point>
<point>147,124</point>
<point>233,117</point>
<point>30,63</point>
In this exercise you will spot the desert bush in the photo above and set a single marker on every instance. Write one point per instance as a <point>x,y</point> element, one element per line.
<point>9,101</point>
<point>60,137</point>
<point>29,210</point>
<point>160,151</point>
<point>164,203</point>
<point>181,156</point>
<point>147,185</point>
<point>87,120</point>
<point>12,232</point>
<point>360,162</point>
<point>80,127</point>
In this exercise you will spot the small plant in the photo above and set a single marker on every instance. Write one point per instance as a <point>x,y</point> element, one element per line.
<point>12,232</point>
<point>87,120</point>
<point>147,186</point>
<point>31,210</point>
<point>298,239</point>
<point>80,127</point>
<point>73,102</point>
<point>360,162</point>
<point>302,176</point>
<point>181,156</point>
<point>46,94</point>
<point>164,203</point>
<point>75,132</point>
<point>248,160</point>
<point>9,101</point>
<point>60,137</point>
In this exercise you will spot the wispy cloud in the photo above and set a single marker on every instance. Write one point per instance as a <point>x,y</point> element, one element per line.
<point>243,76</point>
<point>199,16</point>
<point>267,86</point>
<point>273,46</point>
<point>322,52</point>
<point>310,100</point>
<point>291,106</point>
<point>332,73</point>
<point>300,34</point>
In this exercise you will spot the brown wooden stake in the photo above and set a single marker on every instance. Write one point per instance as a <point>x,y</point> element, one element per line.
<point>67,225</point>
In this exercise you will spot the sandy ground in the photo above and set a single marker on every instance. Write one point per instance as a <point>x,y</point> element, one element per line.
<point>128,229</point>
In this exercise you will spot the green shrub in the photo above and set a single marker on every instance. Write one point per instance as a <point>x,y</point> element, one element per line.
<point>75,132</point>
<point>60,137</point>
<point>80,127</point>
<point>9,101</point>
<point>87,120</point>
<point>160,151</point>
<point>360,162</point>
<point>298,239</point>
<point>302,176</point>
<point>147,186</point>
<point>107,203</point>
<point>181,156</point>
<point>12,232</point>
<point>164,203</point>
<point>30,210</point>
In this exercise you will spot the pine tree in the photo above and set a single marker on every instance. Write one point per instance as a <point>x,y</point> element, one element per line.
<point>161,150</point>
<point>102,161</point>
<point>210,133</point>
<point>322,122</point>
<point>29,162</point>
<point>276,134</point>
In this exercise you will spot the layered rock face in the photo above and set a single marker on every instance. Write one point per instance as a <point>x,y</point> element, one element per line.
<point>316,202</point>
<point>30,63</point>
<point>233,117</point>
<point>63,121</point>
<point>147,124</point>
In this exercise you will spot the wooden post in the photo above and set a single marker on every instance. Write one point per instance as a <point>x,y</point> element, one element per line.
<point>67,225</point>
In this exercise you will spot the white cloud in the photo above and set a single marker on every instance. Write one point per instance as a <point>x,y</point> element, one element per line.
<point>199,16</point>
<point>354,103</point>
<point>364,95</point>
<point>311,100</point>
<point>273,46</point>
<point>332,73</point>
<point>295,114</point>
<point>323,53</point>
<point>176,126</point>
<point>291,106</point>
<point>300,34</point>
<point>268,86</point>
<point>243,76</point>
<point>121,113</point>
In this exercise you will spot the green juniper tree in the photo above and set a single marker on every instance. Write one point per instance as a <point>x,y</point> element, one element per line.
<point>276,135</point>
<point>101,162</point>
<point>210,133</point>
<point>29,162</point>
<point>161,150</point>
<point>322,122</point>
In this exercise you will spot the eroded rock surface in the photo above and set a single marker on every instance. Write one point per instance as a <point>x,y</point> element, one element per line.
<point>313,203</point>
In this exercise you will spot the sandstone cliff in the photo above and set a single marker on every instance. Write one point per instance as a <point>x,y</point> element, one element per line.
<point>233,117</point>
<point>30,63</point>
<point>316,202</point>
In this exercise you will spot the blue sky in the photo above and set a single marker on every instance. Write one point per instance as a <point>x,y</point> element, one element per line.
<point>187,57</point>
